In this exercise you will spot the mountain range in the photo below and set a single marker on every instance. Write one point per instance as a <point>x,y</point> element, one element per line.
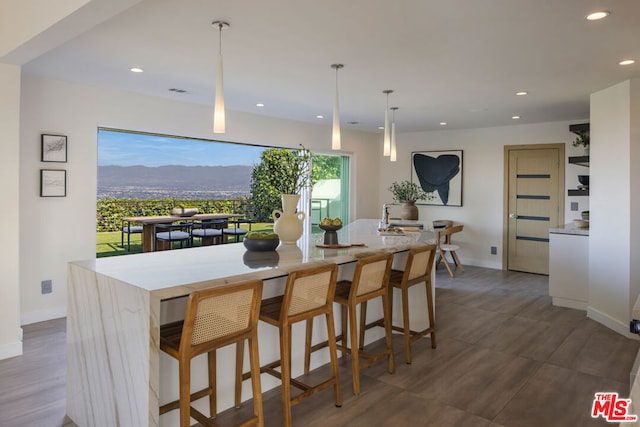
<point>176,177</point>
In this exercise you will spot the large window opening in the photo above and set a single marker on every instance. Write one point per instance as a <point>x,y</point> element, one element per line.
<point>141,174</point>
<point>330,194</point>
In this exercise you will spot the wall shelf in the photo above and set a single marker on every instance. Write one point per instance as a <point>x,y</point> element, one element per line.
<point>579,160</point>
<point>578,192</point>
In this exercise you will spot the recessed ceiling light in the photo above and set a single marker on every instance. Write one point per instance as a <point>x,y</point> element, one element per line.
<point>515,117</point>
<point>136,70</point>
<point>443,123</point>
<point>319,116</point>
<point>259,104</point>
<point>627,62</point>
<point>522,93</point>
<point>594,16</point>
<point>380,127</point>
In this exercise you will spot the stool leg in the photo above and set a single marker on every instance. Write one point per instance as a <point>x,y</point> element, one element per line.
<point>355,357</point>
<point>254,360</point>
<point>211,358</point>
<point>185,393</point>
<point>363,322</point>
<point>285,367</point>
<point>343,321</point>
<point>386,310</point>
<point>405,322</point>
<point>307,345</point>
<point>333,353</point>
<point>454,255</point>
<point>446,264</point>
<point>432,320</point>
<point>239,366</point>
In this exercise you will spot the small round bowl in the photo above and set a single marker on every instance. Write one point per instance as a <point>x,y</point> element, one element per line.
<point>583,179</point>
<point>261,245</point>
<point>330,227</point>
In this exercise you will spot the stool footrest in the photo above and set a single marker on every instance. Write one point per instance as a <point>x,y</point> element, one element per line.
<point>176,403</point>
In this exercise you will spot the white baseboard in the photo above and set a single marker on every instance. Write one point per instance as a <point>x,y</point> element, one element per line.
<point>497,265</point>
<point>569,303</point>
<point>11,349</point>
<point>43,315</point>
<point>611,323</point>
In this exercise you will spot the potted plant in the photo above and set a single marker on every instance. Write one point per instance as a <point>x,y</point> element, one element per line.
<point>407,193</point>
<point>261,241</point>
<point>582,140</point>
<point>282,174</point>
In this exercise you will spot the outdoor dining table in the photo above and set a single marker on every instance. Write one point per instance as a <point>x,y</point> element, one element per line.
<point>149,223</point>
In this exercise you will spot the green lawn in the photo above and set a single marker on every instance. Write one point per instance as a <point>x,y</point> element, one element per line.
<point>108,243</point>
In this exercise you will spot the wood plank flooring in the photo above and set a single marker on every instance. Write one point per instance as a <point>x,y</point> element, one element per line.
<point>505,357</point>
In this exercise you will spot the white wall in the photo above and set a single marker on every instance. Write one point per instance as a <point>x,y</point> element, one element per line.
<point>482,193</point>
<point>614,278</point>
<point>10,332</point>
<point>54,231</point>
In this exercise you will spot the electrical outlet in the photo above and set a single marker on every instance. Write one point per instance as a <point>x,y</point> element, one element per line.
<point>494,250</point>
<point>46,286</point>
<point>574,206</point>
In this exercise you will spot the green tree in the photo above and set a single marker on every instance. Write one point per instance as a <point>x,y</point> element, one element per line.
<point>280,171</point>
<point>326,167</point>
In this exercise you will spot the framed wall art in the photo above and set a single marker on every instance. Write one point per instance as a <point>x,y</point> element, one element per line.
<point>439,173</point>
<point>54,148</point>
<point>53,183</point>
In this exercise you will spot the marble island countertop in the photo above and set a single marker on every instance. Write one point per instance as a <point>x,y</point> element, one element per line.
<point>173,273</point>
<point>570,229</point>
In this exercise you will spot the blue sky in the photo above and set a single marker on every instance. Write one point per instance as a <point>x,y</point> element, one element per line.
<point>128,149</point>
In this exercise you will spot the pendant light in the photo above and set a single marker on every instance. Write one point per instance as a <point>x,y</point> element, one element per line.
<point>393,135</point>
<point>218,106</point>
<point>387,131</point>
<point>335,134</point>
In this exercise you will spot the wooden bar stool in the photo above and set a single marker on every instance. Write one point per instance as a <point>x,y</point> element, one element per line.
<point>214,318</point>
<point>416,271</point>
<point>308,293</point>
<point>370,280</point>
<point>445,245</point>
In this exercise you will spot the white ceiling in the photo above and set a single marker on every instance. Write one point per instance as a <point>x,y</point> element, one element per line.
<point>458,61</point>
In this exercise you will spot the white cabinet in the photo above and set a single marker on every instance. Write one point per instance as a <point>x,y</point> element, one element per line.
<point>568,268</point>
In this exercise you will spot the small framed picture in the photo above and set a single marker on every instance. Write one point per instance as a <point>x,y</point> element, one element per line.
<point>54,148</point>
<point>53,183</point>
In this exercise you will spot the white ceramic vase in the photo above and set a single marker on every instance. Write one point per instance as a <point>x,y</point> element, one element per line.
<point>288,221</point>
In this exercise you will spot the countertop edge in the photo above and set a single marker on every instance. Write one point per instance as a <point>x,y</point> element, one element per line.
<point>570,229</point>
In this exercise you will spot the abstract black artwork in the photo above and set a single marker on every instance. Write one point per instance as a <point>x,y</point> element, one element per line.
<point>439,173</point>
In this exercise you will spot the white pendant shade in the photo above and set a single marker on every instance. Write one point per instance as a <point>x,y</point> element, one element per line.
<point>335,131</point>
<point>386,142</point>
<point>218,107</point>
<point>335,134</point>
<point>393,143</point>
<point>392,153</point>
<point>219,119</point>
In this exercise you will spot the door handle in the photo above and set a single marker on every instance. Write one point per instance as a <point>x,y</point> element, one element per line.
<point>513,216</point>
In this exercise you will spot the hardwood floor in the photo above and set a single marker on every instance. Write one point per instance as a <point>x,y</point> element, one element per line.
<point>505,357</point>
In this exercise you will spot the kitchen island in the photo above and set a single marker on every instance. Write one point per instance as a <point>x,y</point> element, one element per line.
<point>116,374</point>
